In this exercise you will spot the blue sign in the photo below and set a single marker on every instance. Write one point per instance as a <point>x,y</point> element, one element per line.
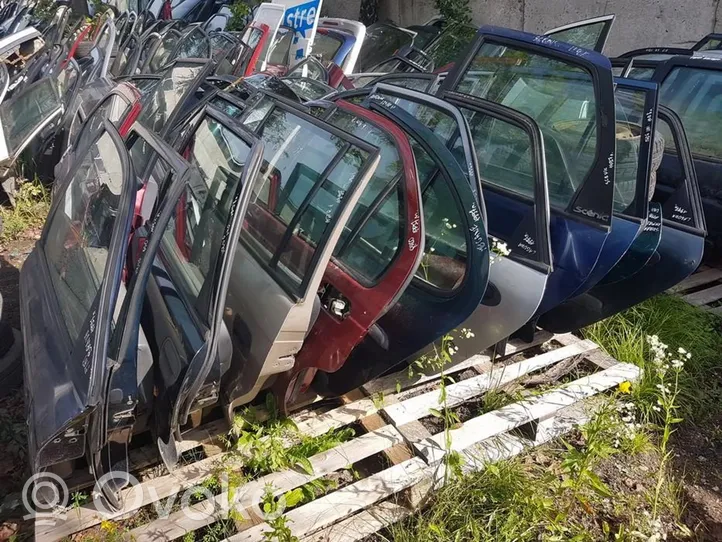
<point>303,19</point>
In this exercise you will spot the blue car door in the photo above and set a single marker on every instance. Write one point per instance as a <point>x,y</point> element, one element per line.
<point>452,278</point>
<point>568,91</point>
<point>681,246</point>
<point>636,113</point>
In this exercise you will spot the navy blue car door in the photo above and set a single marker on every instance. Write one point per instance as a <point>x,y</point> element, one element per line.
<point>636,113</point>
<point>452,277</point>
<point>568,91</point>
<point>681,245</point>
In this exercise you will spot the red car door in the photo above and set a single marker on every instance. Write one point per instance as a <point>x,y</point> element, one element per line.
<point>376,257</point>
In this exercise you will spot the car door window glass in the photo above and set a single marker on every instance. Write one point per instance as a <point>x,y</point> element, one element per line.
<point>164,97</point>
<point>113,108</point>
<point>192,239</point>
<point>380,43</point>
<point>80,231</point>
<point>629,108</point>
<point>194,45</point>
<point>586,36</point>
<point>230,109</point>
<point>295,188</point>
<point>377,242</point>
<point>450,44</point>
<point>309,69</point>
<point>696,96</point>
<point>557,95</point>
<point>25,113</point>
<point>325,47</point>
<point>162,53</point>
<point>280,49</point>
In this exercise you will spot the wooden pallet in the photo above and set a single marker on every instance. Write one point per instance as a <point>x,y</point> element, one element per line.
<point>703,289</point>
<point>394,429</point>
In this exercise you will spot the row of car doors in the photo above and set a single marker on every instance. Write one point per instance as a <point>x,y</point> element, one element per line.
<point>276,227</point>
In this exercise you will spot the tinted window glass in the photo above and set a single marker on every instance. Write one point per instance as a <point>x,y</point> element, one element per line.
<point>192,239</point>
<point>380,43</point>
<point>450,44</point>
<point>295,187</point>
<point>695,94</point>
<point>712,43</point>
<point>165,96</point>
<point>325,47</point>
<point>558,95</point>
<point>24,113</point>
<point>585,36</point>
<point>80,232</point>
<point>372,248</point>
<point>643,74</point>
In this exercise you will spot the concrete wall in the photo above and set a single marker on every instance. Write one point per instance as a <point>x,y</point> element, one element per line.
<point>639,23</point>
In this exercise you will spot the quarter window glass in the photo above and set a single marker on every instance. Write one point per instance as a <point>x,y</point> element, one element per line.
<point>192,240</point>
<point>25,113</point>
<point>586,36</point>
<point>629,114</point>
<point>305,175</point>
<point>378,222</point>
<point>164,97</point>
<point>557,95</point>
<point>695,94</point>
<point>80,232</point>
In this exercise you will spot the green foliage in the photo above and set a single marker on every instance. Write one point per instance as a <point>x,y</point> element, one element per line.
<point>454,11</point>
<point>273,513</point>
<point>240,12</point>
<point>32,203</point>
<point>676,323</point>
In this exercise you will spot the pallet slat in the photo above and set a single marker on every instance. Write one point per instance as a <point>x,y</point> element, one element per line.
<point>698,279</point>
<point>514,415</point>
<point>419,406</point>
<point>704,297</point>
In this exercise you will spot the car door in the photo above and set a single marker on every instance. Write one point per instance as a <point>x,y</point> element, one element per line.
<point>376,256</point>
<point>451,279</point>
<point>161,55</point>
<point>193,43</point>
<point>636,114</point>
<point>474,130</point>
<point>681,246</point>
<point>709,42</point>
<point>589,33</point>
<point>26,115</point>
<point>312,176</point>
<point>691,87</point>
<point>69,286</point>
<point>569,96</point>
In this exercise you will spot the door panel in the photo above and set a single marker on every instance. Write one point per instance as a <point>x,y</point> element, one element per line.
<point>376,256</point>
<point>636,113</point>
<point>453,274</point>
<point>681,246</point>
<point>69,287</point>
<point>589,33</point>
<point>579,147</point>
<point>312,176</point>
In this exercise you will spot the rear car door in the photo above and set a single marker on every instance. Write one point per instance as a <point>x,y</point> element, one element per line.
<point>452,277</point>
<point>692,87</point>
<point>681,246</point>
<point>376,256</point>
<point>636,114</point>
<point>569,96</point>
<point>311,179</point>
<point>589,33</point>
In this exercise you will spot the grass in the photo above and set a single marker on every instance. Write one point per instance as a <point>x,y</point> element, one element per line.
<point>32,203</point>
<point>677,324</point>
<point>572,489</point>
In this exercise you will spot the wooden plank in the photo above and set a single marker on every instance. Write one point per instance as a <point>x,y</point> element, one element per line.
<point>396,454</point>
<point>704,297</point>
<point>507,418</point>
<point>335,506</point>
<point>247,497</point>
<point>401,379</point>
<point>362,525</point>
<point>714,310</point>
<point>698,279</point>
<point>598,357</point>
<point>420,406</point>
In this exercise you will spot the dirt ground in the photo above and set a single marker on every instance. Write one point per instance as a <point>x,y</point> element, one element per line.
<point>697,449</point>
